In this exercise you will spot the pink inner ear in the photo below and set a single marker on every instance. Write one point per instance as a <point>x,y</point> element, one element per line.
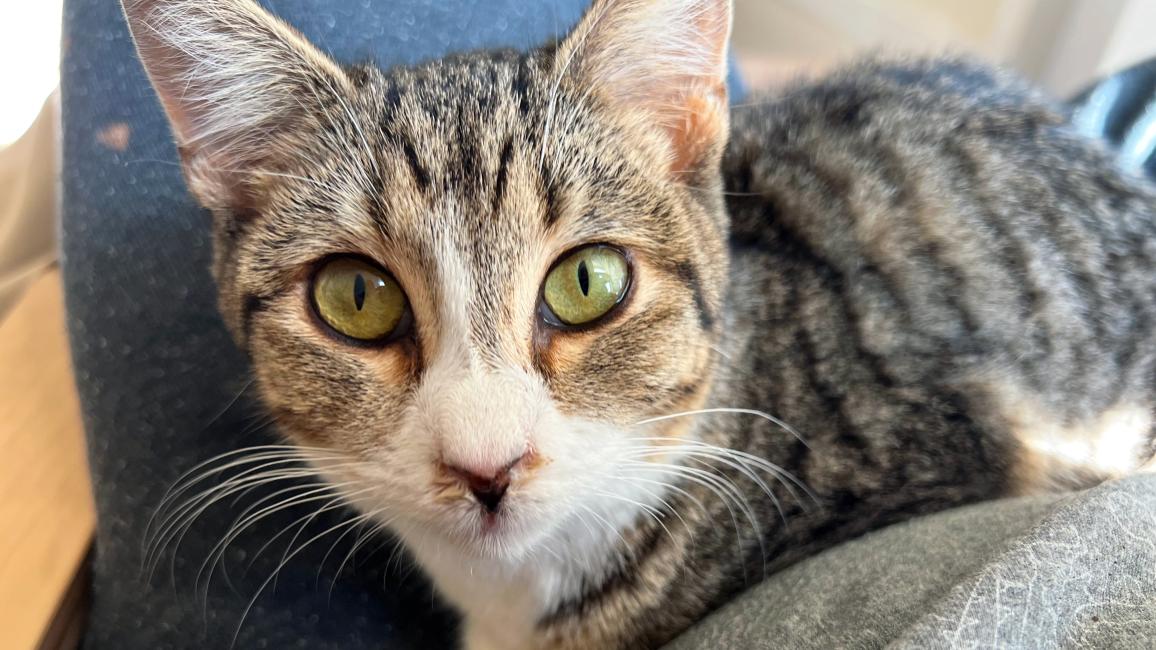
<point>667,57</point>
<point>234,80</point>
<point>703,121</point>
<point>702,127</point>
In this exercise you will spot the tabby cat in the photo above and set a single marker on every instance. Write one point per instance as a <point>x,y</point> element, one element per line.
<point>603,351</point>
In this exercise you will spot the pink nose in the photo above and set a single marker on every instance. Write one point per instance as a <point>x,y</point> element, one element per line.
<point>488,487</point>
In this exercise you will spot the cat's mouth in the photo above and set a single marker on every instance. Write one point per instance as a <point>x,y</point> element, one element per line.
<point>504,534</point>
<point>489,517</point>
<point>491,521</point>
<point>496,530</point>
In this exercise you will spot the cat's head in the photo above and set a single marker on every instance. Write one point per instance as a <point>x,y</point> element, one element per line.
<point>464,286</point>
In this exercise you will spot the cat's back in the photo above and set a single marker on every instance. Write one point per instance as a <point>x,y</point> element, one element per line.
<point>905,130</point>
<point>957,233</point>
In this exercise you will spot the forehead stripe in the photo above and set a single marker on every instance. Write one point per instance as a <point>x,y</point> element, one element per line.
<point>420,175</point>
<point>500,183</point>
<point>689,276</point>
<point>251,305</point>
<point>550,193</point>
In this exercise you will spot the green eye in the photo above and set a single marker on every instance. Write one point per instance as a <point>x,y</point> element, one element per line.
<point>358,300</point>
<point>586,285</point>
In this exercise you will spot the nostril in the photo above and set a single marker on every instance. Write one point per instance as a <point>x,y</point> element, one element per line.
<point>489,488</point>
<point>490,494</point>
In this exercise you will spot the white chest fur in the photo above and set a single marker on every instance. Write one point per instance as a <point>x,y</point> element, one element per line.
<point>501,602</point>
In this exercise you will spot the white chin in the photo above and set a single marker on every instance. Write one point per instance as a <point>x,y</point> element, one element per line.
<point>503,537</point>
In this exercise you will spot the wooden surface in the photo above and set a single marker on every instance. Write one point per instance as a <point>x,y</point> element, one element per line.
<point>46,513</point>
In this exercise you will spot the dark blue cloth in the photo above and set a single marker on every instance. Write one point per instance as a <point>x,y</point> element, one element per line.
<point>158,376</point>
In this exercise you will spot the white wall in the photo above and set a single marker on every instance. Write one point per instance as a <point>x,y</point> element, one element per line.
<point>29,55</point>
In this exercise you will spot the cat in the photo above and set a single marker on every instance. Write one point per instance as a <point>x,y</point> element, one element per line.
<point>603,351</point>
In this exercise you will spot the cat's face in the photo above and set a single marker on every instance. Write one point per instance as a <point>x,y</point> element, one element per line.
<point>465,288</point>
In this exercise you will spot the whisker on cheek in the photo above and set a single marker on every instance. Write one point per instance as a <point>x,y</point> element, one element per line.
<point>742,458</point>
<point>285,561</point>
<point>739,411</point>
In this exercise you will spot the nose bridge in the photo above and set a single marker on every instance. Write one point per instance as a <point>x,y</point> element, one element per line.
<point>482,419</point>
<point>480,323</point>
<point>476,301</point>
<point>477,399</point>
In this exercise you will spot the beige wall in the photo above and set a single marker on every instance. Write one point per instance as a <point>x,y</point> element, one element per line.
<point>1060,44</point>
<point>1133,38</point>
<point>27,206</point>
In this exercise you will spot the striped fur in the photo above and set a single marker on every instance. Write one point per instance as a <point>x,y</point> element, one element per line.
<point>896,290</point>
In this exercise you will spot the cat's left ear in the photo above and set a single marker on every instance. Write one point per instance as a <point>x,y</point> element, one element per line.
<point>235,82</point>
<point>667,60</point>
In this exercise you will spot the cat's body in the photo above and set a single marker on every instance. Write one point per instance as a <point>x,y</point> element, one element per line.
<point>908,241</point>
<point>942,294</point>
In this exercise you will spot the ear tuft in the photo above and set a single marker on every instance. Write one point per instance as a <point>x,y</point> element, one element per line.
<point>665,57</point>
<point>232,79</point>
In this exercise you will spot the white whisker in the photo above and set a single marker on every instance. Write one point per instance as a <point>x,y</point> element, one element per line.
<point>741,411</point>
<point>285,561</point>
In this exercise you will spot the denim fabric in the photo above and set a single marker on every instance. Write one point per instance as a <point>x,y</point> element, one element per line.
<point>161,384</point>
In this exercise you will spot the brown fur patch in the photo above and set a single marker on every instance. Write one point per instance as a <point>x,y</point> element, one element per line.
<point>115,136</point>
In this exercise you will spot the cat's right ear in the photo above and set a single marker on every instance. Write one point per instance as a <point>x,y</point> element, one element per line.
<point>234,81</point>
<point>662,61</point>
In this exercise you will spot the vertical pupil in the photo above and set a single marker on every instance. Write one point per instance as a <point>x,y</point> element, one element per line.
<point>583,278</point>
<point>359,291</point>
